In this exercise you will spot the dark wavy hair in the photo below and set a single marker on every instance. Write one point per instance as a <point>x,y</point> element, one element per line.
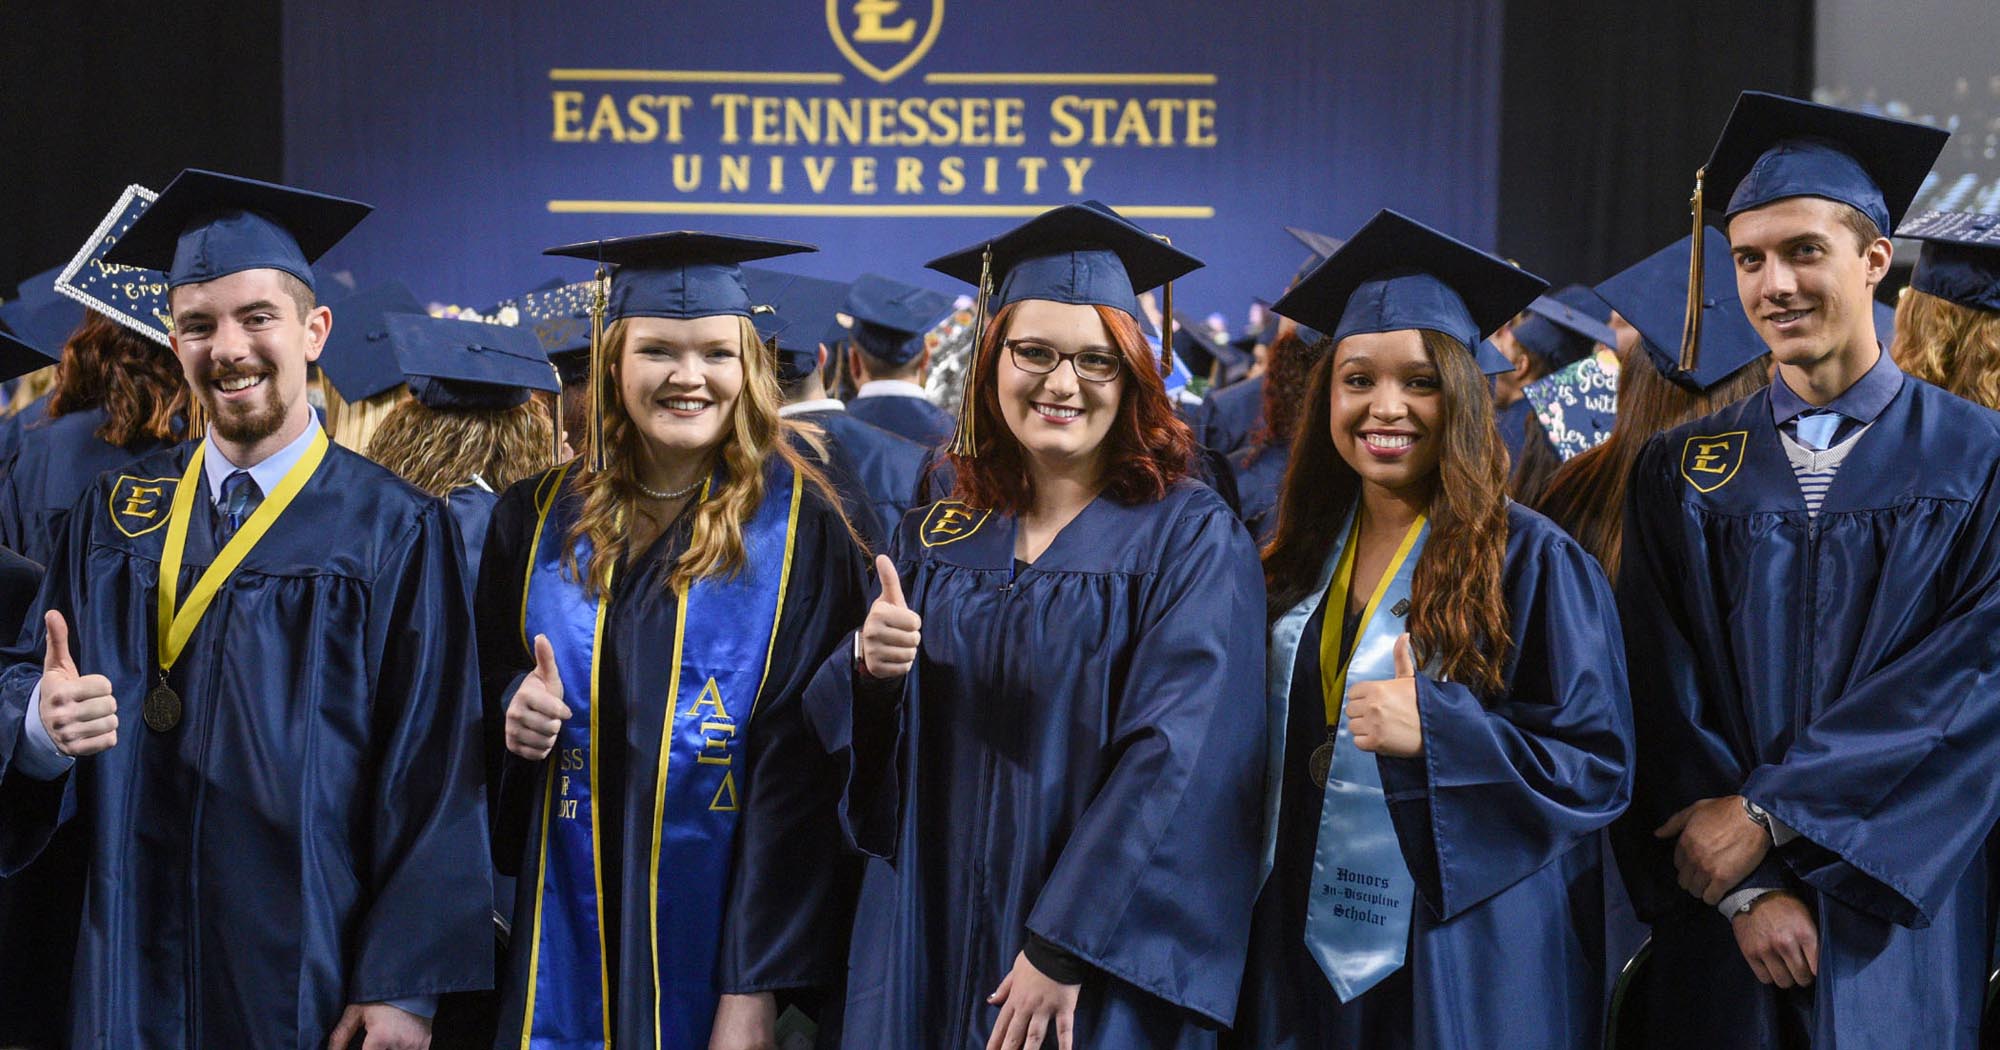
<point>1150,448</point>
<point>1290,365</point>
<point>137,382</point>
<point>1458,611</point>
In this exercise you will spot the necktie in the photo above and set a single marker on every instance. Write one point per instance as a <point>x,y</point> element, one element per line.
<point>240,497</point>
<point>1816,428</point>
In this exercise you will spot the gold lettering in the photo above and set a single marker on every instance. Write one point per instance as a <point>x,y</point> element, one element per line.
<point>711,698</point>
<point>912,113</point>
<point>1099,107</point>
<point>975,115</point>
<point>870,13</point>
<point>1166,108</point>
<point>764,113</point>
<point>1008,116</point>
<point>675,106</point>
<point>1031,172</point>
<point>567,809</point>
<point>881,114</point>
<point>951,175</point>
<point>1132,124</point>
<point>729,103</point>
<point>992,175</point>
<point>818,175</point>
<point>1071,131</point>
<point>565,785</point>
<point>1076,166</point>
<point>733,175</point>
<point>843,122</point>
<point>606,118</point>
<point>863,180</point>
<point>777,174</point>
<point>951,521</point>
<point>1201,122</point>
<point>801,120</point>
<point>909,175</point>
<point>138,503</point>
<point>716,743</point>
<point>687,172</point>
<point>646,126</point>
<point>725,795</point>
<point>569,113</point>
<point>1708,457</point>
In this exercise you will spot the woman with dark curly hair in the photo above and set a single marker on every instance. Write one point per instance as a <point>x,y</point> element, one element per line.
<point>1051,720</point>
<point>118,395</point>
<point>1451,666</point>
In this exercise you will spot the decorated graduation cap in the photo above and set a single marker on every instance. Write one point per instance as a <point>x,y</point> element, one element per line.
<point>1563,327</point>
<point>468,365</point>
<point>558,312</point>
<point>40,316</point>
<point>360,353</point>
<point>1960,258</point>
<point>1083,254</point>
<point>1650,297</point>
<point>890,318</point>
<point>207,225</point>
<point>796,324</point>
<point>1774,148</point>
<point>681,275</point>
<point>133,298</point>
<point>1576,405</point>
<point>1396,273</point>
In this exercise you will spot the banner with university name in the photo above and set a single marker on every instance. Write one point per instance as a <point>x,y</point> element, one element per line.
<point>886,131</point>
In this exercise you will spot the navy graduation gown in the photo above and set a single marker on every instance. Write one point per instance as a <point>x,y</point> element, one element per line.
<point>471,507</point>
<point>57,459</point>
<point>1078,755</point>
<point>879,468</point>
<point>39,906</point>
<point>1498,822</point>
<point>1238,412</point>
<point>912,418</point>
<point>1841,672</point>
<point>312,834</point>
<point>1512,420</point>
<point>1259,472</point>
<point>17,424</point>
<point>790,892</point>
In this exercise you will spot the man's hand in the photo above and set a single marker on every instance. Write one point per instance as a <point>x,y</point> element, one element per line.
<point>536,713</point>
<point>1779,939</point>
<point>384,1026</point>
<point>1383,715</point>
<point>78,710</point>
<point>1719,846</point>
<point>745,1022</point>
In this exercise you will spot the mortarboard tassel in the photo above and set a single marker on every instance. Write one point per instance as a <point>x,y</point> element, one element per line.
<point>1691,327</point>
<point>555,418</point>
<point>1167,320</point>
<point>600,300</point>
<point>965,443</point>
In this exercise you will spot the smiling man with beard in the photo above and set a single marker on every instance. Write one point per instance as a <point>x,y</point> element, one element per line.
<point>252,686</point>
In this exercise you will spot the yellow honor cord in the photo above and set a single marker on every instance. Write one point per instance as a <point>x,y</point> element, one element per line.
<point>1332,669</point>
<point>177,624</point>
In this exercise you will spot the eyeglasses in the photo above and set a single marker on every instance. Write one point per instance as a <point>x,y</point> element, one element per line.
<point>1091,366</point>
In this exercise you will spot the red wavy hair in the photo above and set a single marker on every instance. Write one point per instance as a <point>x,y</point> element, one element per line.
<point>1149,447</point>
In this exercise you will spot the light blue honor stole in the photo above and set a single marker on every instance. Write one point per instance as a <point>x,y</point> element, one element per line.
<point>1361,899</point>
<point>724,632</point>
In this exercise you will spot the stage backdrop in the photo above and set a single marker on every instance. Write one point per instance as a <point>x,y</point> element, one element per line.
<point>886,131</point>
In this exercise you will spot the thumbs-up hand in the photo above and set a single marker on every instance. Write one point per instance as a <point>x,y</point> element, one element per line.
<point>78,710</point>
<point>1383,715</point>
<point>536,713</point>
<point>890,635</point>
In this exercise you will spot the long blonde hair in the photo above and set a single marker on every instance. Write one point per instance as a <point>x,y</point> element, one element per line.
<point>352,424</point>
<point>440,449</point>
<point>1949,345</point>
<point>756,432</point>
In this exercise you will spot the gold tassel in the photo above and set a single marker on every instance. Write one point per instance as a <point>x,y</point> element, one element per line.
<point>965,442</point>
<point>1691,326</point>
<point>600,300</point>
<point>1166,318</point>
<point>555,418</point>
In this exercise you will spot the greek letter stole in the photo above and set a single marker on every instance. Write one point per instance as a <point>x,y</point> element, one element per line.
<point>720,651</point>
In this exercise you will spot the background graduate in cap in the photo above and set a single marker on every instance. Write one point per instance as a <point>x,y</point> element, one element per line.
<point>1948,321</point>
<point>650,613</point>
<point>253,689</point>
<point>42,318</point>
<point>887,357</point>
<point>1810,575</point>
<point>876,471</point>
<point>359,377</point>
<point>1555,331</point>
<point>1049,723</point>
<point>1450,729</point>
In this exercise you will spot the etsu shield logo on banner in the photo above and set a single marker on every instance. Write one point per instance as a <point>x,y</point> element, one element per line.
<point>884,38</point>
<point>1708,462</point>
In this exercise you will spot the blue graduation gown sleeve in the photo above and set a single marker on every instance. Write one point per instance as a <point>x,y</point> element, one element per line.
<point>1504,787</point>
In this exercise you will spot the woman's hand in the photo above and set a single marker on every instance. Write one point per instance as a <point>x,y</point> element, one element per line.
<point>1383,715</point>
<point>1031,1005</point>
<point>890,635</point>
<point>745,1022</point>
<point>536,713</point>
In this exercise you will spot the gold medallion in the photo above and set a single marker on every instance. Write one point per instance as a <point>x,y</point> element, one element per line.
<point>1320,765</point>
<point>162,710</point>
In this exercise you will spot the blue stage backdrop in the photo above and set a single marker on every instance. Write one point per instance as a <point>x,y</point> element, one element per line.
<point>886,131</point>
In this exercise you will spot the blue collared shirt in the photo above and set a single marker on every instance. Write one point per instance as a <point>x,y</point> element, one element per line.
<point>1858,405</point>
<point>216,467</point>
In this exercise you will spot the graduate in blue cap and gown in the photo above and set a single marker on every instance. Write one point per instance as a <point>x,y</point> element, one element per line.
<point>877,472</point>
<point>1810,577</point>
<point>887,357</point>
<point>1234,415</point>
<point>1554,332</point>
<point>1447,684</point>
<point>1950,335</point>
<point>650,613</point>
<point>274,751</point>
<point>42,318</point>
<point>1050,725</point>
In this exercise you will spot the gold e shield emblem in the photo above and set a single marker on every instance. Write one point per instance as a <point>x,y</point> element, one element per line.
<point>949,522</point>
<point>899,32</point>
<point>139,505</point>
<point>1708,462</point>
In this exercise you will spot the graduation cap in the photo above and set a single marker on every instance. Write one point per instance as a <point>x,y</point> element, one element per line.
<point>1960,258</point>
<point>1774,148</point>
<point>207,225</point>
<point>467,365</point>
<point>136,299</point>
<point>558,312</point>
<point>1561,328</point>
<point>1396,273</point>
<point>1222,363</point>
<point>1576,405</point>
<point>40,316</point>
<point>1649,295</point>
<point>1084,254</point>
<point>1490,360</point>
<point>890,317</point>
<point>796,324</point>
<point>683,274</point>
<point>18,357</point>
<point>1320,246</point>
<point>360,355</point>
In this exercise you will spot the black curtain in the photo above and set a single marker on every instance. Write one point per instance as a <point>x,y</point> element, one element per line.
<point>1607,109</point>
<point>113,92</point>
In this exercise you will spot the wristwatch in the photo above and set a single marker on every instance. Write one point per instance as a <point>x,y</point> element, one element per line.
<point>1757,815</point>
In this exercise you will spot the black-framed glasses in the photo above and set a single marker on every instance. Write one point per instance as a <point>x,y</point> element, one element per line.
<point>1091,366</point>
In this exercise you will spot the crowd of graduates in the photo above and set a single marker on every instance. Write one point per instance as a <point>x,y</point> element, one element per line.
<point>691,654</point>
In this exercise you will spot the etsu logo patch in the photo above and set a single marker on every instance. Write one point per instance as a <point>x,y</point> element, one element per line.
<point>884,38</point>
<point>951,521</point>
<point>1709,462</point>
<point>139,505</point>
